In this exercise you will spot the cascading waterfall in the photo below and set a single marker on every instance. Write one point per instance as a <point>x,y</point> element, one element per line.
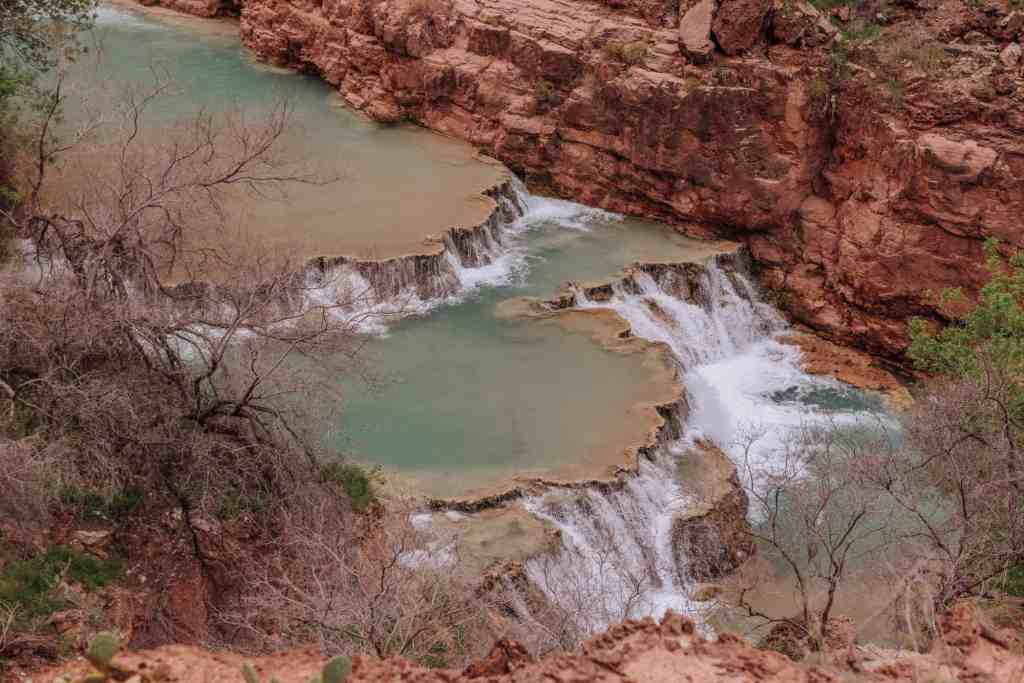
<point>488,254</point>
<point>617,559</point>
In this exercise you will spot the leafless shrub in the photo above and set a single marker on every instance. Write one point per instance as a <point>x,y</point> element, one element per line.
<point>8,615</point>
<point>394,593</point>
<point>588,590</point>
<point>31,479</point>
<point>818,515</point>
<point>148,347</point>
<point>935,509</point>
<point>961,480</point>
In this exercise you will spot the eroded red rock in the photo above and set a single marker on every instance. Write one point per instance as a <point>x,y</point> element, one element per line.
<point>859,202</point>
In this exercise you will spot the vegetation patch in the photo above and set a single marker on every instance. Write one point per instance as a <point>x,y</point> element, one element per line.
<point>818,92</point>
<point>862,30</point>
<point>929,57</point>
<point>546,94</point>
<point>627,53</point>
<point>827,5</point>
<point>30,584</point>
<point>1013,584</point>
<point>95,505</point>
<point>893,89</point>
<point>353,480</point>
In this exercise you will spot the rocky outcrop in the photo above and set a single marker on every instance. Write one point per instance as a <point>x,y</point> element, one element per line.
<point>695,31</point>
<point>864,176</point>
<point>711,538</point>
<point>668,652</point>
<point>740,25</point>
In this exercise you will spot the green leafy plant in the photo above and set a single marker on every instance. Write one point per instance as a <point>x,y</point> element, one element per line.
<point>29,584</point>
<point>1013,582</point>
<point>336,670</point>
<point>827,5</point>
<point>862,30</point>
<point>818,92</point>
<point>94,505</point>
<point>353,480</point>
<point>992,332</point>
<point>102,649</point>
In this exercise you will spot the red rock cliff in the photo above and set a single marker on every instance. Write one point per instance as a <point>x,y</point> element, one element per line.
<point>864,172</point>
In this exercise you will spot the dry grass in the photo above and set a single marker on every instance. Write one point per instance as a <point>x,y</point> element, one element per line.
<point>928,57</point>
<point>427,9</point>
<point>627,53</point>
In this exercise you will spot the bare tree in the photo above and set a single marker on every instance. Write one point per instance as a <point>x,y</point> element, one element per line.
<point>958,478</point>
<point>816,512</point>
<point>396,592</point>
<point>148,345</point>
<point>588,588</point>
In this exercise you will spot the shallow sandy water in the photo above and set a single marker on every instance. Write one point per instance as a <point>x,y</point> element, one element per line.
<point>394,186</point>
<point>472,399</point>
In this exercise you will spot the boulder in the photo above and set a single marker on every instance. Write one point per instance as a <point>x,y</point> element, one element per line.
<point>964,160</point>
<point>800,24</point>
<point>739,25</point>
<point>1010,56</point>
<point>710,537</point>
<point>93,542</point>
<point>695,31</point>
<point>1011,26</point>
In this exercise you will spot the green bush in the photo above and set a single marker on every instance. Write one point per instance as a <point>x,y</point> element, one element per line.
<point>30,583</point>
<point>1013,584</point>
<point>93,505</point>
<point>353,480</point>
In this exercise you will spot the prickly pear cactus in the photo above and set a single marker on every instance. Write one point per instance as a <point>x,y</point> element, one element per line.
<point>336,670</point>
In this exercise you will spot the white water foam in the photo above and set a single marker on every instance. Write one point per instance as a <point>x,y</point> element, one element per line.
<point>616,560</point>
<point>617,557</point>
<point>502,258</point>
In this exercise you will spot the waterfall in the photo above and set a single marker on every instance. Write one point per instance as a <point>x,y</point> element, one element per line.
<point>723,317</point>
<point>371,293</point>
<point>489,254</point>
<point>617,558</point>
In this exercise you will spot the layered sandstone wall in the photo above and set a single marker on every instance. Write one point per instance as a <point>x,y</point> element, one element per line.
<point>741,118</point>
